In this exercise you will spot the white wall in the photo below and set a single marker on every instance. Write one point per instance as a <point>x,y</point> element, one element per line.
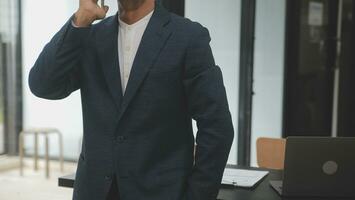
<point>222,18</point>
<point>268,71</point>
<point>41,20</point>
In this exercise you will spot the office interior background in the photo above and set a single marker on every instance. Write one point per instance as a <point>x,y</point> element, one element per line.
<point>287,65</point>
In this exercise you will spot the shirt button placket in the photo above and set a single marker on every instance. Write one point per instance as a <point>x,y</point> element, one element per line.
<point>127,48</point>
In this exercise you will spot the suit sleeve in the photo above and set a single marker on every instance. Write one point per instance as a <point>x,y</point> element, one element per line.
<point>207,102</point>
<point>56,72</point>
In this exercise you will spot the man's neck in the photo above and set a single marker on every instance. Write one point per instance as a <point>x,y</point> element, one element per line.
<point>132,16</point>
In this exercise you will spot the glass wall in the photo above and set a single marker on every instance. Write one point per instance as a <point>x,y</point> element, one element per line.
<point>268,71</point>
<point>223,21</point>
<point>10,96</point>
<point>2,136</point>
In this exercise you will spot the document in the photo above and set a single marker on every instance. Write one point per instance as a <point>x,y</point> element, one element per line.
<point>242,177</point>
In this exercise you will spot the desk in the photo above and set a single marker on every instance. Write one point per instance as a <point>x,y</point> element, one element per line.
<point>262,191</point>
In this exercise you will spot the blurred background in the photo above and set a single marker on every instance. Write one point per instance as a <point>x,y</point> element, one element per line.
<point>288,70</point>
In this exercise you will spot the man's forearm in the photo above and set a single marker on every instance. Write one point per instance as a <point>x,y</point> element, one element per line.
<point>214,139</point>
<point>55,72</point>
<point>208,105</point>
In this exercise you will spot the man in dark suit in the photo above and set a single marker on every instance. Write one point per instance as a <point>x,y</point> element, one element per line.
<point>138,137</point>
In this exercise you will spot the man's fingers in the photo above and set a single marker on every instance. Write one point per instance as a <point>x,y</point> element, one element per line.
<point>106,8</point>
<point>101,12</point>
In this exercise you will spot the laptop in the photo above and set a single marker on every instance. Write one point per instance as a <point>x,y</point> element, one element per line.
<point>318,167</point>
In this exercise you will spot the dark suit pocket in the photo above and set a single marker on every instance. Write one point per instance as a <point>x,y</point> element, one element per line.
<point>166,68</point>
<point>160,86</point>
<point>163,73</point>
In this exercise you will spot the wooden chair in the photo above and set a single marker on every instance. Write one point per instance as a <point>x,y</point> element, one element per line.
<point>271,153</point>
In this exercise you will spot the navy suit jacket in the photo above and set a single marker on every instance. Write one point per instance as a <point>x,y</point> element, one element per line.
<point>144,138</point>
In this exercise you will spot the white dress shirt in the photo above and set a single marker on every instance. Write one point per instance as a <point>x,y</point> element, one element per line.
<point>129,38</point>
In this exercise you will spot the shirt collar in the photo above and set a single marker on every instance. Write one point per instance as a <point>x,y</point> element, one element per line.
<point>142,21</point>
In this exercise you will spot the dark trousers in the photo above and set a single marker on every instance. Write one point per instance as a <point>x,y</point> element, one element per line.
<point>113,193</point>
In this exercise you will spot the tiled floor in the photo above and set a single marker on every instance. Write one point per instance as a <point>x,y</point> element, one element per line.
<point>33,185</point>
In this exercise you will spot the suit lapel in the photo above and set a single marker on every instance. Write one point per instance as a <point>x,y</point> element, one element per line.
<point>153,40</point>
<point>107,47</point>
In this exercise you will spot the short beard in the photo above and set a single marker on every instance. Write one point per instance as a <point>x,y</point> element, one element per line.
<point>130,5</point>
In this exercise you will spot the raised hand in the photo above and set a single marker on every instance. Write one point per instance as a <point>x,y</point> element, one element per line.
<point>88,12</point>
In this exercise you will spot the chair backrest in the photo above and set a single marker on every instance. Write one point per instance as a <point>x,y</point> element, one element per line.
<point>271,152</point>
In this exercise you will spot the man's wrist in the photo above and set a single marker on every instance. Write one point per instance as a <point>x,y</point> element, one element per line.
<point>73,24</point>
<point>81,20</point>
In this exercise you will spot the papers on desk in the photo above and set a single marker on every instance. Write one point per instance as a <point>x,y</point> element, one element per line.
<point>242,178</point>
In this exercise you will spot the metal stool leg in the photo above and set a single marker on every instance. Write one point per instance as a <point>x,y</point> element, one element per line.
<point>46,132</point>
<point>21,152</point>
<point>47,156</point>
<point>60,136</point>
<point>35,154</point>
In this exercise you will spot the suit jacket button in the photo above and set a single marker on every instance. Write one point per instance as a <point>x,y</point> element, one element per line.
<point>108,177</point>
<point>120,139</point>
